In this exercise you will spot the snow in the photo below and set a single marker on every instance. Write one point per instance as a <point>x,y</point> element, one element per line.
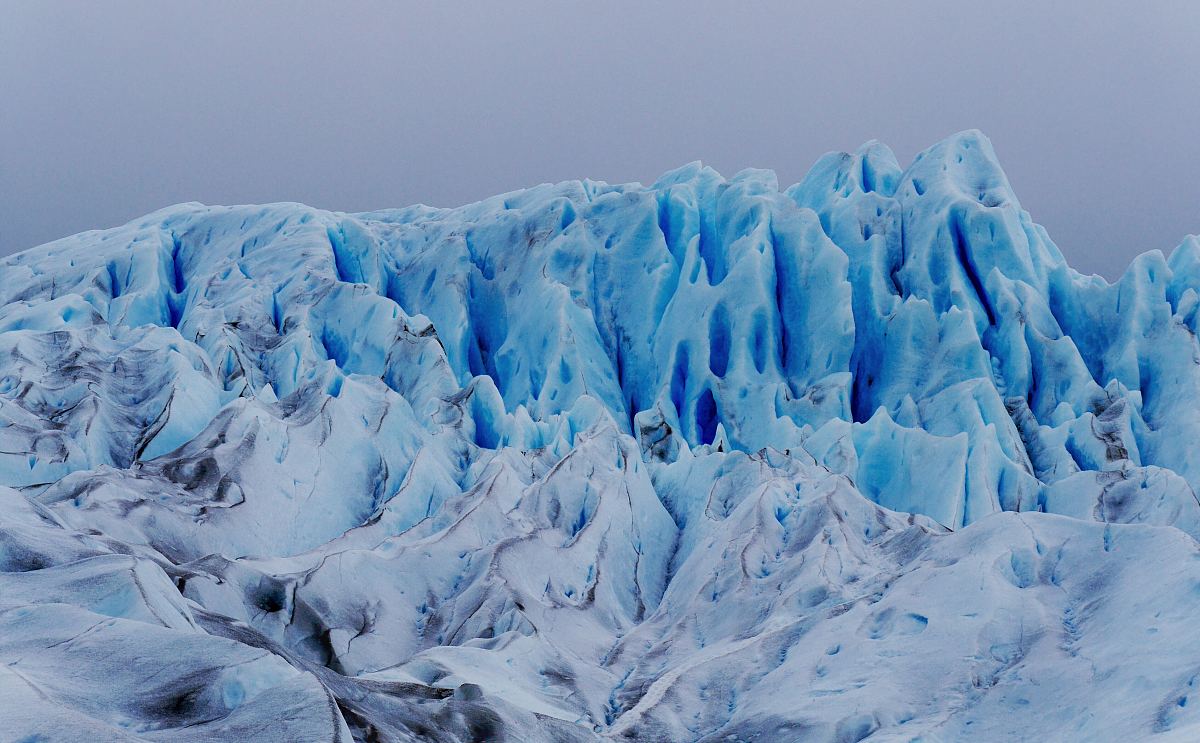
<point>705,460</point>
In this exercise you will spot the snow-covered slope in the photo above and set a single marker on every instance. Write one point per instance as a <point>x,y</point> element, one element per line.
<point>706,460</point>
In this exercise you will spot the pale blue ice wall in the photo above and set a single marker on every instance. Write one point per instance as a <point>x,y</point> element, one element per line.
<point>884,321</point>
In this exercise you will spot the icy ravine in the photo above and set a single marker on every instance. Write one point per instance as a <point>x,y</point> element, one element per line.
<point>860,459</point>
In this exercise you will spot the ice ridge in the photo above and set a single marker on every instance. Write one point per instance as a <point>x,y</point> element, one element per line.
<point>863,458</point>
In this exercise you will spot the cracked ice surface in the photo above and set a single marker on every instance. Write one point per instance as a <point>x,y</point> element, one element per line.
<point>705,460</point>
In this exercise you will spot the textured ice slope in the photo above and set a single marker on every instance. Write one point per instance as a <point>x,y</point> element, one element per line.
<point>706,460</point>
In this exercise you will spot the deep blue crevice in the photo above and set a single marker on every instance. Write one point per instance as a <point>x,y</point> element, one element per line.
<point>679,378</point>
<point>707,416</point>
<point>967,261</point>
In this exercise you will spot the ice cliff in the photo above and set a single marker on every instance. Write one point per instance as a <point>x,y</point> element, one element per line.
<point>862,459</point>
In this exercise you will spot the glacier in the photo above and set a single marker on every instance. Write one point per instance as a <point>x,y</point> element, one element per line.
<point>708,460</point>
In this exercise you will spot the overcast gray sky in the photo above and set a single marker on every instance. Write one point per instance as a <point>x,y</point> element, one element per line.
<point>112,109</point>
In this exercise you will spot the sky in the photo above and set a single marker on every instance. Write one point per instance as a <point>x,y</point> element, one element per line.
<point>111,110</point>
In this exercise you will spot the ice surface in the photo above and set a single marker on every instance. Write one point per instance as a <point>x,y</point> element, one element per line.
<point>705,460</point>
